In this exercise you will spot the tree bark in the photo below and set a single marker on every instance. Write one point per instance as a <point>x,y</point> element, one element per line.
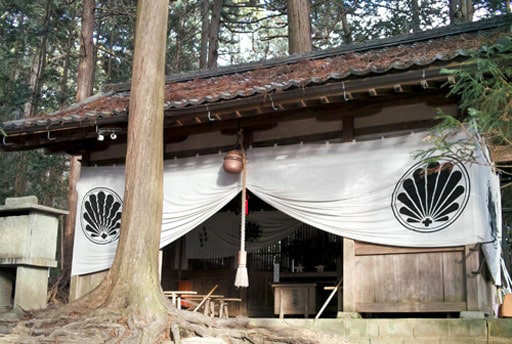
<point>213,39</point>
<point>65,71</point>
<point>415,9</point>
<point>84,90</point>
<point>86,64</point>
<point>461,11</point>
<point>38,67</point>
<point>134,273</point>
<point>203,56</point>
<point>347,32</point>
<point>299,27</point>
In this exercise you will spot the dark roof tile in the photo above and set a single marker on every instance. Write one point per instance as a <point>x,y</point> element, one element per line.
<point>279,77</point>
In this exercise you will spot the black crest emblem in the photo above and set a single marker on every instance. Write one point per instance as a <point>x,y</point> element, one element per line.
<point>431,196</point>
<point>101,215</point>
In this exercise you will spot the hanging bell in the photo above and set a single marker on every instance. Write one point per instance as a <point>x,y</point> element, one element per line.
<point>233,162</point>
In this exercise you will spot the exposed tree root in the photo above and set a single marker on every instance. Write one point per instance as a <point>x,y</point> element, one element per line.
<point>104,325</point>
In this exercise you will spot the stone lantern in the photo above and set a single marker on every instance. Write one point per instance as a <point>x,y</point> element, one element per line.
<point>28,241</point>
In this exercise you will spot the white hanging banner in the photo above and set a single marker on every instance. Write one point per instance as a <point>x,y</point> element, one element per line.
<point>373,191</point>
<point>194,189</point>
<point>377,192</point>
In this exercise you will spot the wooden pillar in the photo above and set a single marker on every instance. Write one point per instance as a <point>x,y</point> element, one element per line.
<point>471,263</point>
<point>347,133</point>
<point>339,277</point>
<point>348,275</point>
<point>160,264</point>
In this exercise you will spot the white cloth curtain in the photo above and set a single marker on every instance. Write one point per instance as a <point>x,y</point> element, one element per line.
<point>194,189</point>
<point>349,189</point>
<point>346,189</point>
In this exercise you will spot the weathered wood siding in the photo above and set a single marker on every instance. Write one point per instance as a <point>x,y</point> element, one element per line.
<point>396,279</point>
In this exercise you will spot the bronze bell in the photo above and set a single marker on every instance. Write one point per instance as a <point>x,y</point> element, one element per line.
<point>233,162</point>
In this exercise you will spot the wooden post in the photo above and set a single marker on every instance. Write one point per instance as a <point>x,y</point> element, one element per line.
<point>160,264</point>
<point>348,275</point>
<point>347,133</point>
<point>471,258</point>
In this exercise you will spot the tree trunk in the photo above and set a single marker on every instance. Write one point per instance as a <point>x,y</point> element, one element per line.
<point>86,64</point>
<point>65,72</point>
<point>205,6</point>
<point>38,67</point>
<point>84,90</point>
<point>299,27</point>
<point>347,33</point>
<point>467,10</point>
<point>415,9</point>
<point>134,273</point>
<point>461,11</point>
<point>213,40</point>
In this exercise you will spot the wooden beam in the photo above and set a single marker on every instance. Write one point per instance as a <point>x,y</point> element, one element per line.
<point>428,123</point>
<point>373,92</point>
<point>367,249</point>
<point>317,137</point>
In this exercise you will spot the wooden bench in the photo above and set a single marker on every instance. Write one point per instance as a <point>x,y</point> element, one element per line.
<point>224,305</point>
<point>176,296</point>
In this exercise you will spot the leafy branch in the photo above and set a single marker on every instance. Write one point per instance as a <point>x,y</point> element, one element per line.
<point>483,85</point>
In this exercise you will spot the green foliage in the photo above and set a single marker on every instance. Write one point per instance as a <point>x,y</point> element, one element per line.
<point>483,86</point>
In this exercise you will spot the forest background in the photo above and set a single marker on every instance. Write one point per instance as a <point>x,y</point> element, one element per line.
<point>40,50</point>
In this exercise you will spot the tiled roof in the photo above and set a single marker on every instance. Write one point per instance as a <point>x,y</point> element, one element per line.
<point>359,60</point>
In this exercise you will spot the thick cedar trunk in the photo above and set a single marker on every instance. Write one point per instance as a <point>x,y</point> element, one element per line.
<point>84,90</point>
<point>205,6</point>
<point>299,27</point>
<point>213,39</point>
<point>134,273</point>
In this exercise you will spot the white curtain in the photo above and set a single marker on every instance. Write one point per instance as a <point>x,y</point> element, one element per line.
<point>371,191</point>
<point>194,190</point>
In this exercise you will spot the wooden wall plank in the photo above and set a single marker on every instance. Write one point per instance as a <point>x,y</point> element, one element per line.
<point>431,278</point>
<point>366,279</point>
<point>453,277</point>
<point>409,275</point>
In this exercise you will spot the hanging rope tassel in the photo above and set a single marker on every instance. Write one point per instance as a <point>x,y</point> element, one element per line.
<point>242,277</point>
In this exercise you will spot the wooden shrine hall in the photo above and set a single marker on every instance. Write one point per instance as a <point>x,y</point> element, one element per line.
<point>349,110</point>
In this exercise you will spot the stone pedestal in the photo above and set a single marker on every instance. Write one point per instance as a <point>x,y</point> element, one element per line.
<point>6,285</point>
<point>31,287</point>
<point>28,242</point>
